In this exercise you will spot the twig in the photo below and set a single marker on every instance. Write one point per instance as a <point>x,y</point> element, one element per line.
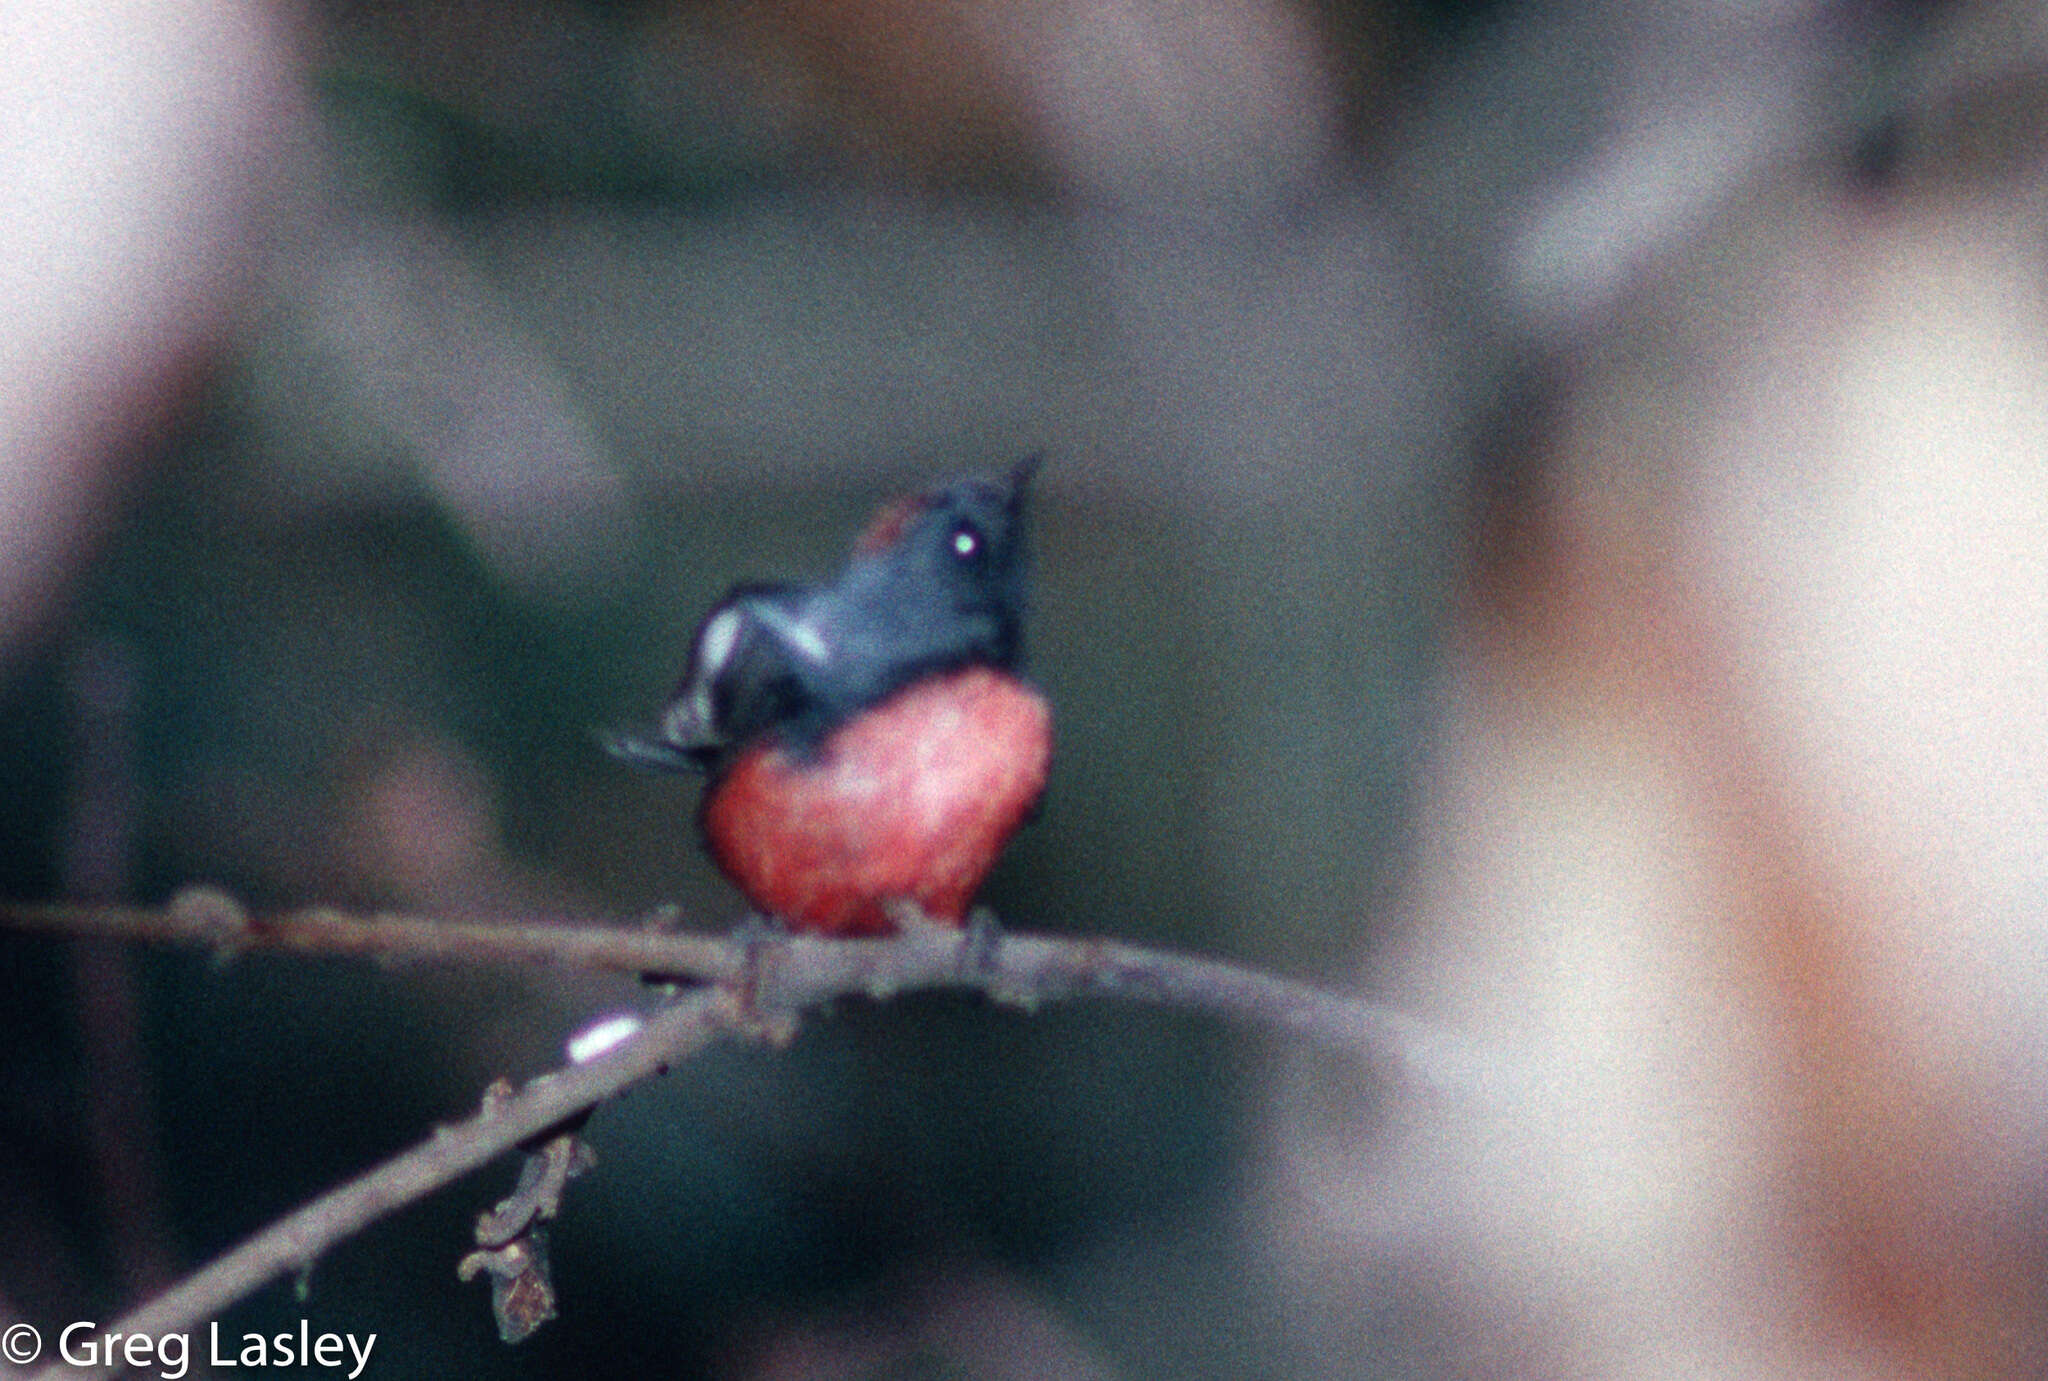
<point>120,1098</point>
<point>294,1242</point>
<point>511,1239</point>
<point>205,916</point>
<point>1027,970</point>
<point>784,977</point>
<point>803,972</point>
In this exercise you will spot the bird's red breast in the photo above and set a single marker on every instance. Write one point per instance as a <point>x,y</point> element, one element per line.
<point>911,800</point>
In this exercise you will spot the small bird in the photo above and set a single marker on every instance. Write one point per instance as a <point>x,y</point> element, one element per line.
<point>870,743</point>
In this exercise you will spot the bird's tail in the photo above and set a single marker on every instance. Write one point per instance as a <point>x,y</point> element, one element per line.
<point>646,752</point>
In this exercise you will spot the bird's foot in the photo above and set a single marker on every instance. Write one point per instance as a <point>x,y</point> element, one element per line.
<point>757,935</point>
<point>982,944</point>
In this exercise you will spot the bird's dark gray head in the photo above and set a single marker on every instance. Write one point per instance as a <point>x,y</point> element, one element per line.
<point>939,579</point>
<point>936,582</point>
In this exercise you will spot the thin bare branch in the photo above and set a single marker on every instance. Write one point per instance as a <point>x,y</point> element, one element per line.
<point>208,917</point>
<point>757,987</point>
<point>120,1097</point>
<point>800,972</point>
<point>294,1242</point>
<point>1028,970</point>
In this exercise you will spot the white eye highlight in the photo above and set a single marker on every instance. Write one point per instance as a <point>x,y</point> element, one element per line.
<point>966,542</point>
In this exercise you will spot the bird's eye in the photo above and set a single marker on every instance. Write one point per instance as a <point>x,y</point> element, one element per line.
<point>966,542</point>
